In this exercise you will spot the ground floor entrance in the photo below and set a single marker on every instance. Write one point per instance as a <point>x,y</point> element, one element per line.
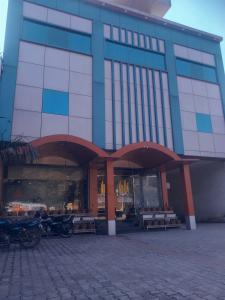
<point>75,176</point>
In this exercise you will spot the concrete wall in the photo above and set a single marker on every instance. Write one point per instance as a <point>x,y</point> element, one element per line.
<point>208,179</point>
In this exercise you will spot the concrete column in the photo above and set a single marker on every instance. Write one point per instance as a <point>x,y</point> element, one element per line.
<point>110,201</point>
<point>165,196</point>
<point>1,186</point>
<point>188,197</point>
<point>93,189</point>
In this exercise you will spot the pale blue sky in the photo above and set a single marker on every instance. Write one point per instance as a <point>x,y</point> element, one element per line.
<point>207,15</point>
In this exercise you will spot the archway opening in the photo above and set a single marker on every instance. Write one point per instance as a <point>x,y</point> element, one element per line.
<point>58,181</point>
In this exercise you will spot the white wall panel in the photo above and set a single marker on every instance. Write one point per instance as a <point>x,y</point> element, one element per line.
<point>204,99</point>
<point>30,74</point>
<point>168,118</point>
<point>187,102</point>
<point>107,31</point>
<point>165,81</point>
<point>123,35</point>
<point>57,58</point>
<point>190,141</point>
<point>80,106</point>
<point>201,104</point>
<point>109,134</point>
<point>35,12</point>
<point>218,124</point>
<point>194,55</point>
<point>188,121</point>
<point>169,135</point>
<point>28,98</point>
<point>56,79</point>
<point>161,46</point>
<point>213,91</point>
<point>54,124</point>
<point>81,24</point>
<point>215,107</point>
<point>129,37</point>
<point>117,90</point>
<point>22,121</point>
<point>116,33</point>
<point>118,135</point>
<point>154,44</point>
<point>80,84</point>
<point>206,142</point>
<point>199,88</point>
<point>81,63</point>
<point>108,110</point>
<point>184,85</point>
<point>81,127</point>
<point>58,18</point>
<point>108,89</point>
<point>142,41</point>
<point>161,136</point>
<point>108,69</point>
<point>31,53</point>
<point>219,142</point>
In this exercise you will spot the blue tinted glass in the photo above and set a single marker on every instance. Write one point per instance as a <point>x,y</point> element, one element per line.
<point>55,102</point>
<point>204,123</point>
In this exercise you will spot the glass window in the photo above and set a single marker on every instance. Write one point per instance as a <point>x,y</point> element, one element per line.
<point>154,44</point>
<point>142,41</point>
<point>107,31</point>
<point>135,36</point>
<point>123,36</point>
<point>129,37</point>
<point>115,34</point>
<point>147,42</point>
<point>161,46</point>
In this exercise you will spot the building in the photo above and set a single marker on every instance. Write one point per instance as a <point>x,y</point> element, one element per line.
<point>125,108</point>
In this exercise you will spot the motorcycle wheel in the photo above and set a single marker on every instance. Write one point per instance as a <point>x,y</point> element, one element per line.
<point>66,231</point>
<point>30,238</point>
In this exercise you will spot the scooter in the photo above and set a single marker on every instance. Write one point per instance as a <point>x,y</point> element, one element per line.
<point>27,233</point>
<point>57,225</point>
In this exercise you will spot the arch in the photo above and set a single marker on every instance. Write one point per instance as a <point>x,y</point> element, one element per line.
<point>147,154</point>
<point>68,146</point>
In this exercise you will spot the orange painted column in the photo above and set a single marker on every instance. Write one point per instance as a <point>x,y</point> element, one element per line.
<point>1,186</point>
<point>93,189</point>
<point>165,196</point>
<point>188,197</point>
<point>110,201</point>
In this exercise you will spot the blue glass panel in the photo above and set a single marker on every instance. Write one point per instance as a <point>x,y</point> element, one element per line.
<point>131,55</point>
<point>55,102</point>
<point>56,37</point>
<point>195,70</point>
<point>204,123</point>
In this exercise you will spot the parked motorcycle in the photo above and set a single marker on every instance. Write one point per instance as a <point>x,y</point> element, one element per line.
<point>24,232</point>
<point>57,225</point>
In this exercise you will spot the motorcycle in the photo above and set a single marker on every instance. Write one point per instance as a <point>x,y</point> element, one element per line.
<point>57,225</point>
<point>24,232</point>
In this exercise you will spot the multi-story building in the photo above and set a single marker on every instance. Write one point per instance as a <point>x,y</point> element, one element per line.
<point>125,108</point>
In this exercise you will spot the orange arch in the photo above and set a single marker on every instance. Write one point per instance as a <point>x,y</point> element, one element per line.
<point>145,145</point>
<point>70,139</point>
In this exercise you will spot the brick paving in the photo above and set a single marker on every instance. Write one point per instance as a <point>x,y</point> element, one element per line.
<point>176,264</point>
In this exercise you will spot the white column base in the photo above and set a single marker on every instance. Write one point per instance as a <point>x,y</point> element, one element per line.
<point>111,227</point>
<point>191,223</point>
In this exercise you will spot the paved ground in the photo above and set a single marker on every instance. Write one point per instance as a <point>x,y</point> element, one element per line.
<point>176,264</point>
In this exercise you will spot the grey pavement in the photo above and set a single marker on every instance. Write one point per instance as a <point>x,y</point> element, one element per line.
<point>164,265</point>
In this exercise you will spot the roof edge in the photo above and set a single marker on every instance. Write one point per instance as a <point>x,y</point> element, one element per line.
<point>156,20</point>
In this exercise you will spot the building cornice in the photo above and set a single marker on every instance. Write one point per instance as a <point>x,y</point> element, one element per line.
<point>154,19</point>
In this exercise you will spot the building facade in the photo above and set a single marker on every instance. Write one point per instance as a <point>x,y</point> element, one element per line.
<point>120,104</point>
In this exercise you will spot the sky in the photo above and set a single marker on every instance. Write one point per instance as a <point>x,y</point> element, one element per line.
<point>207,15</point>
